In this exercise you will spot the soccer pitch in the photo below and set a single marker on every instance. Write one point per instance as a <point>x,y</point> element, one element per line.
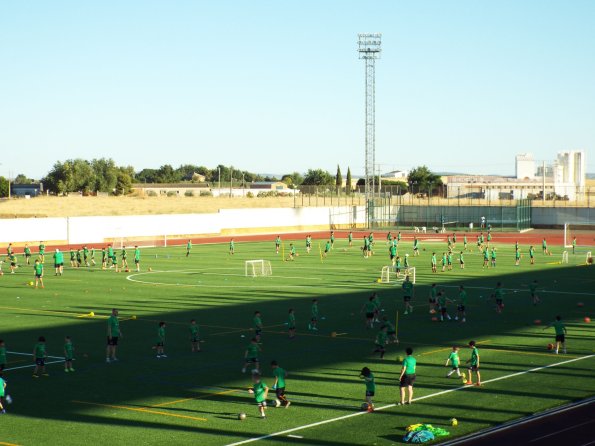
<point>196,397</point>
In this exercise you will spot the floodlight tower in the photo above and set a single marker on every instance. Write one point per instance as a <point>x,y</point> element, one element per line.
<point>369,50</point>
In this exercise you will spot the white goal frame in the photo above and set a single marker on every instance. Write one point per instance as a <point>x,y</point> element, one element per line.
<point>589,256</point>
<point>564,257</point>
<point>388,270</point>
<point>256,268</point>
<point>385,274</point>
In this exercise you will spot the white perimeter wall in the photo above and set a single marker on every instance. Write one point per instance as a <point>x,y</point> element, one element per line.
<point>77,230</point>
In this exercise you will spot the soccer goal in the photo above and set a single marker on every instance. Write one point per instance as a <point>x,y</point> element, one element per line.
<point>407,272</point>
<point>565,257</point>
<point>256,268</point>
<point>385,274</point>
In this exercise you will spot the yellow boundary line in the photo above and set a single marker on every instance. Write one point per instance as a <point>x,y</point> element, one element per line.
<point>73,314</point>
<point>195,398</point>
<point>136,409</point>
<point>2,443</point>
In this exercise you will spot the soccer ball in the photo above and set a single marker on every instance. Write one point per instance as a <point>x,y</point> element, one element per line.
<point>8,399</point>
<point>241,416</point>
<point>550,346</point>
<point>454,422</point>
<point>30,283</point>
<point>587,320</point>
<point>400,359</point>
<point>365,406</point>
<point>464,380</point>
<point>127,270</point>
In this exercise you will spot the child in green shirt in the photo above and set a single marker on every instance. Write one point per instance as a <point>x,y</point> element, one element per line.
<point>368,377</point>
<point>68,354</point>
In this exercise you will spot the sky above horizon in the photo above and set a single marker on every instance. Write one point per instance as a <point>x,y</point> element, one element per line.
<point>276,87</point>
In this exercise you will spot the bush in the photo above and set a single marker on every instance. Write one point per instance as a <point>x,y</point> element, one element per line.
<point>171,193</point>
<point>189,193</point>
<point>250,195</point>
<point>206,193</point>
<point>151,193</point>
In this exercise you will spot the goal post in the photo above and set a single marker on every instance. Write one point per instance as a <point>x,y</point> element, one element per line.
<point>565,257</point>
<point>589,259</point>
<point>256,268</point>
<point>567,236</point>
<point>407,272</point>
<point>385,274</point>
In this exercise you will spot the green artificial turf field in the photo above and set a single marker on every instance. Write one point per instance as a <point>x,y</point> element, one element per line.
<point>196,397</point>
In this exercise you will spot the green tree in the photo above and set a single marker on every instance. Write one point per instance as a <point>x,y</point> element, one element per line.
<point>106,174</point>
<point>348,181</point>
<point>22,179</point>
<point>124,180</point>
<point>318,177</point>
<point>422,179</point>
<point>146,176</point>
<point>339,178</point>
<point>3,187</point>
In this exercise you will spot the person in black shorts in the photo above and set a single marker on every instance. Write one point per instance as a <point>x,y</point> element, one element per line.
<point>407,377</point>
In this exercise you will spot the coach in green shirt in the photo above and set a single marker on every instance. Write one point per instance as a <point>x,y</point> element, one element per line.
<point>407,377</point>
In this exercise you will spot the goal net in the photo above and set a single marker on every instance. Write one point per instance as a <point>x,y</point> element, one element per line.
<point>256,268</point>
<point>565,257</point>
<point>387,271</point>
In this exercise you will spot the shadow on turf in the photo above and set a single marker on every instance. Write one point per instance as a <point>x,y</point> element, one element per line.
<point>144,378</point>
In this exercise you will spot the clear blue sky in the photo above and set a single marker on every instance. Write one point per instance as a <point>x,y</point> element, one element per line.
<point>276,86</point>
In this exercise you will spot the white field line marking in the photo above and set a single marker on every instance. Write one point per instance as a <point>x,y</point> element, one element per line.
<point>443,392</point>
<point>31,354</point>
<point>32,365</point>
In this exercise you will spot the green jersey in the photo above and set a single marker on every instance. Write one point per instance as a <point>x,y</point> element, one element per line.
<point>332,238</point>
<point>86,252</point>
<point>327,247</point>
<point>531,252</point>
<point>389,236</point>
<point>12,258</point>
<point>409,363</point>
<point>517,254</point>
<point>72,255</point>
<point>2,355</point>
<point>279,373</point>
<point>188,246</point>
<point>493,254</point>
<point>113,326</point>
<point>444,260</point>
<point>110,252</point>
<point>161,335</point>
<point>408,288</point>
<point>449,258</point>
<point>278,241</point>
<point>92,253</point>
<point>314,311</point>
<point>461,258</point>
<point>59,257</point>
<point>499,293</point>
<point>381,338</point>
<point>398,263</point>
<point>103,255</point>
<point>370,384</point>
<point>231,245</point>
<point>27,251</point>
<point>370,307</point>
<point>252,351</point>
<point>291,320</point>
<point>475,357</point>
<point>69,350</point>
<point>415,243</point>
<point>393,250</point>
<point>442,300</point>
<point>454,359</point>
<point>193,331</point>
<point>41,249</point>
<point>257,322</point>
<point>433,292</point>
<point>292,250</point>
<point>433,260</point>
<point>406,262</point>
<point>559,327</point>
<point>464,239</point>
<point>308,241</point>
<point>350,237</point>
<point>489,237</point>
<point>486,255</point>
<point>40,350</point>
<point>38,267</point>
<point>463,298</point>
<point>124,254</point>
<point>532,288</point>
<point>399,237</point>
<point>259,389</point>
<point>544,244</point>
<point>136,254</point>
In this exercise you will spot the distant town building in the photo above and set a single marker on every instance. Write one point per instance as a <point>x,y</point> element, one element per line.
<point>565,178</point>
<point>525,166</point>
<point>395,175</point>
<point>269,185</point>
<point>22,190</point>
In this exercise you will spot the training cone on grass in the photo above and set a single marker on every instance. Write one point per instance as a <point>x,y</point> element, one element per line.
<point>537,321</point>
<point>580,304</point>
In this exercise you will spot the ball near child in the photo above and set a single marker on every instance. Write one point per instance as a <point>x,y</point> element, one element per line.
<point>364,406</point>
<point>241,416</point>
<point>31,283</point>
<point>587,319</point>
<point>550,346</point>
<point>454,422</point>
<point>134,316</point>
<point>91,314</point>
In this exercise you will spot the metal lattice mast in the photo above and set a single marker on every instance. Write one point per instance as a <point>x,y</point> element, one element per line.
<point>369,50</point>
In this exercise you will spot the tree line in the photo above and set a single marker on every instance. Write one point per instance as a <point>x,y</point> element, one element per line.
<point>103,175</point>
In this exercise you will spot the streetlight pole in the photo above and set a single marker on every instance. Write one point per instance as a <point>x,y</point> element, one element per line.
<point>219,178</point>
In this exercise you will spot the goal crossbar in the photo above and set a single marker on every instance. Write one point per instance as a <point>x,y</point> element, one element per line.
<point>255,268</point>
